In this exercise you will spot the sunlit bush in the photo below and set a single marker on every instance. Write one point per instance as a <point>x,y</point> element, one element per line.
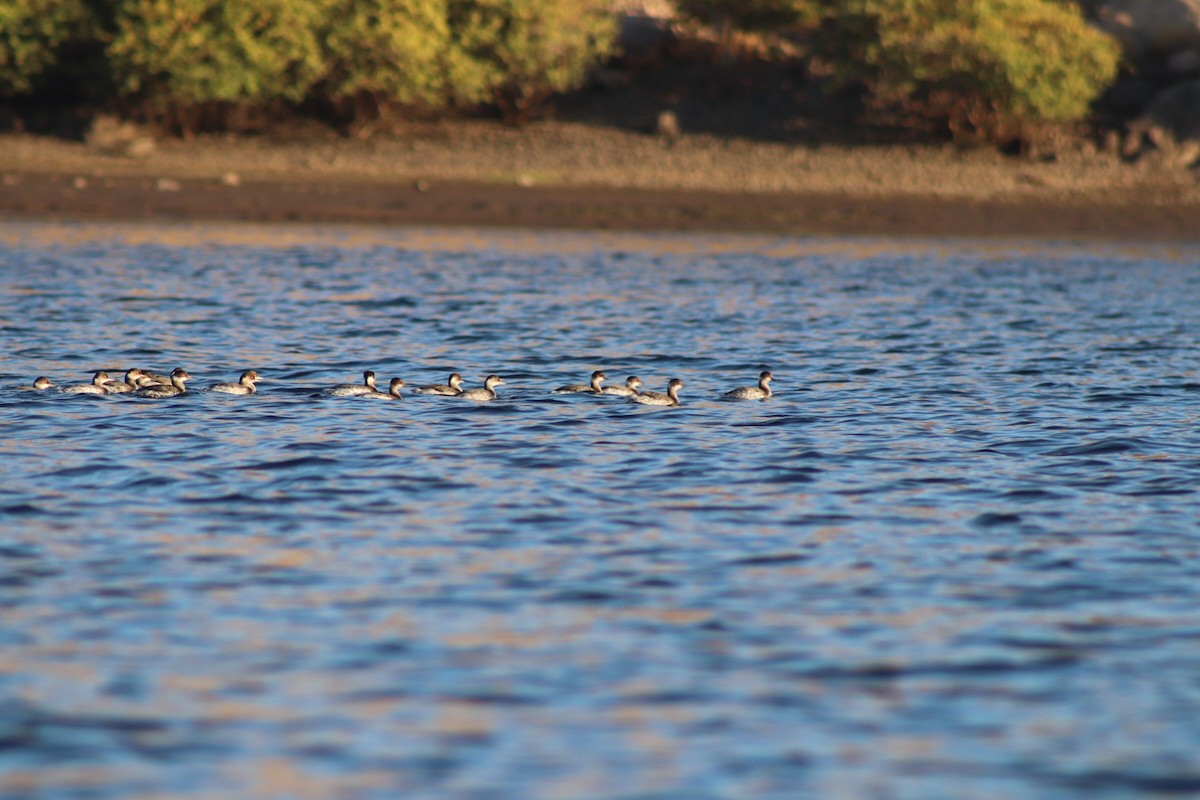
<point>32,33</point>
<point>182,53</point>
<point>384,51</point>
<point>986,68</point>
<point>516,53</point>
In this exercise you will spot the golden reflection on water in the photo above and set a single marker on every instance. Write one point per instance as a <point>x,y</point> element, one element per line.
<point>450,240</point>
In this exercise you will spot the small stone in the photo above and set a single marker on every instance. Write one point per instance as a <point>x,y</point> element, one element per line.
<point>109,133</point>
<point>140,147</point>
<point>1160,138</point>
<point>168,185</point>
<point>1187,155</point>
<point>667,125</point>
<point>1132,144</point>
<point>525,181</point>
<point>80,182</point>
<point>231,179</point>
<point>421,186</point>
<point>1112,143</point>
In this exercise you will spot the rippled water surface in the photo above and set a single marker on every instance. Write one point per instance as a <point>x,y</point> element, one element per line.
<point>956,555</point>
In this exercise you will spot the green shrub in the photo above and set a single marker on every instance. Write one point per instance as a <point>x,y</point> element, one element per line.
<point>193,52</point>
<point>986,68</point>
<point>518,52</point>
<point>32,33</point>
<point>384,51</point>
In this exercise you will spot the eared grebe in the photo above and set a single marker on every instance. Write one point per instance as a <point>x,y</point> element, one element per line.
<point>245,384</point>
<point>488,392</point>
<point>450,388</point>
<point>353,389</point>
<point>179,376</point>
<point>40,383</point>
<point>760,392</point>
<point>671,398</point>
<point>147,378</point>
<point>95,387</point>
<point>393,392</point>
<point>598,377</point>
<point>632,383</point>
<point>130,383</point>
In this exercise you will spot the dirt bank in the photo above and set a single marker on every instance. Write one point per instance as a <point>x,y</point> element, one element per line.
<point>579,176</point>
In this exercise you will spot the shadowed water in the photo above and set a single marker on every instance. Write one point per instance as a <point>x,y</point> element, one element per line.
<point>955,556</point>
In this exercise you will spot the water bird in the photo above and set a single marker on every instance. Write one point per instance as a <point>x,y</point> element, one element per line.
<point>355,389</point>
<point>393,392</point>
<point>40,383</point>
<point>245,384</point>
<point>593,387</point>
<point>147,378</point>
<point>451,388</point>
<point>95,387</point>
<point>671,398</point>
<point>760,392</point>
<point>179,376</point>
<point>488,392</point>
<point>632,384</point>
<point>130,383</point>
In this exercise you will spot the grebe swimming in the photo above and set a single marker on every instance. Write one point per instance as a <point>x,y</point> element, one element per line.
<point>632,384</point>
<point>179,376</point>
<point>451,388</point>
<point>354,389</point>
<point>40,384</point>
<point>130,383</point>
<point>488,392</point>
<point>95,387</point>
<point>671,398</point>
<point>393,392</point>
<point>598,377</point>
<point>147,378</point>
<point>760,392</point>
<point>245,384</point>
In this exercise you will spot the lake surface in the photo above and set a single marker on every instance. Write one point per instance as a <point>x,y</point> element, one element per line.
<point>956,556</point>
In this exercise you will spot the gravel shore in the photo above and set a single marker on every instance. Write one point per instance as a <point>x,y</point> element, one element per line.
<point>558,174</point>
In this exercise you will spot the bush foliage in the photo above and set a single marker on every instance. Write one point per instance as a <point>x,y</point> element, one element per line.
<point>986,68</point>
<point>518,52</point>
<point>32,33</point>
<point>383,52</point>
<point>171,57</point>
<point>199,63</point>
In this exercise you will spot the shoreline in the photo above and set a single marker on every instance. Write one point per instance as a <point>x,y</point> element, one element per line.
<point>494,177</point>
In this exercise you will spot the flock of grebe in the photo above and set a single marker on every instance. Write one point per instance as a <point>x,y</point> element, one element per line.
<point>143,383</point>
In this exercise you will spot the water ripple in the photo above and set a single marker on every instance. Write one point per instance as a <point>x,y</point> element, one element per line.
<point>956,555</point>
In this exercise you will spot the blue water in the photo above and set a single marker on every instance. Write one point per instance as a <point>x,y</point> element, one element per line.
<point>956,556</point>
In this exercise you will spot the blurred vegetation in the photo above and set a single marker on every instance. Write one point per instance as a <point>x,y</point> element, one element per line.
<point>988,69</point>
<point>34,35</point>
<point>984,69</point>
<point>518,52</point>
<point>204,63</point>
<point>380,54</point>
<point>179,58</point>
